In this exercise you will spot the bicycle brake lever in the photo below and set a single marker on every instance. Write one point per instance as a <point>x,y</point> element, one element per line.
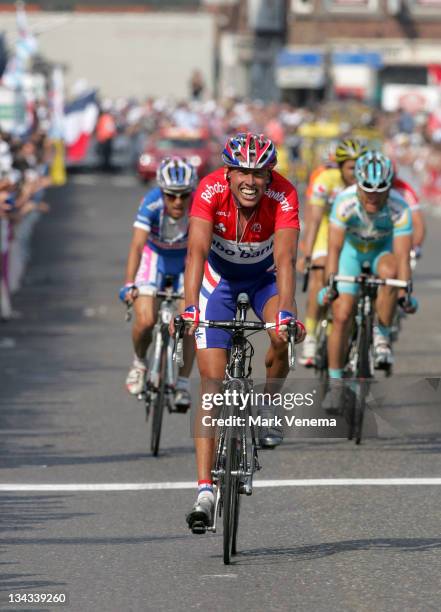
<point>292,345</point>
<point>129,312</point>
<point>178,350</point>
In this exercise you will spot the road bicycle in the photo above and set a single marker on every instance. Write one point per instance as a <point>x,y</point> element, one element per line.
<point>162,372</point>
<point>360,362</point>
<point>236,458</point>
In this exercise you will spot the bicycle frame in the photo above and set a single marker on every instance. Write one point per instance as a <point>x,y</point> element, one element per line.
<point>160,337</point>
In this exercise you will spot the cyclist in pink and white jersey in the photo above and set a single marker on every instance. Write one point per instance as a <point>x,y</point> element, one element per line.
<point>244,225</point>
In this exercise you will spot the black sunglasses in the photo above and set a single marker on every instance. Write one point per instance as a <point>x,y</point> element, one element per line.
<point>175,196</point>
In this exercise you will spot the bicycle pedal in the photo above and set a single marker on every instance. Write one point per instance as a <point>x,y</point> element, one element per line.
<point>198,528</point>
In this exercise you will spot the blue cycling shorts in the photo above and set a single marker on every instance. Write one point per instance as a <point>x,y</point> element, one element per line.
<point>218,298</point>
<point>153,269</point>
<point>351,262</point>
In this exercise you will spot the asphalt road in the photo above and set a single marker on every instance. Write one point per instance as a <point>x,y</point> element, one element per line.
<point>65,419</point>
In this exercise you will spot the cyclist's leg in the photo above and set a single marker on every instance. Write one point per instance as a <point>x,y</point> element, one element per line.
<point>211,364</point>
<point>342,312</point>
<point>386,266</point>
<point>265,304</point>
<point>216,301</point>
<point>319,255</point>
<point>264,301</point>
<point>145,311</point>
<point>343,307</point>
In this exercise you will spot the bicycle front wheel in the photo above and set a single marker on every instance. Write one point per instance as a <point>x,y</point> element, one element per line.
<point>158,405</point>
<point>231,496</point>
<point>363,374</point>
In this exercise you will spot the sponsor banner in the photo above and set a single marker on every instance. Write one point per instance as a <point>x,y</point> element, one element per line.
<point>412,98</point>
<point>298,69</point>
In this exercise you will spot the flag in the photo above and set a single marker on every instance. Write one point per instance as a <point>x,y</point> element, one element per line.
<point>25,48</point>
<point>80,117</point>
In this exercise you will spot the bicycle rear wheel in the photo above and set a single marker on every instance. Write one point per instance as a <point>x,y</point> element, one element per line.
<point>158,404</point>
<point>231,506</point>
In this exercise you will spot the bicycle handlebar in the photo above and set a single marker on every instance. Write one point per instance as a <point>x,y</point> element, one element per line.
<point>370,281</point>
<point>168,295</point>
<point>234,325</point>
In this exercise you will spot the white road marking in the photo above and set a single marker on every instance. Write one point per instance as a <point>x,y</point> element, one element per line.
<point>219,576</point>
<point>163,486</point>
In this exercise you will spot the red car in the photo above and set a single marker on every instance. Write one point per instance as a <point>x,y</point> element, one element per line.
<point>194,145</point>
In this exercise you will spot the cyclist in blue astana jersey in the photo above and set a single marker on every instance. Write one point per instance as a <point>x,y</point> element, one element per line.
<point>369,222</point>
<point>158,249</point>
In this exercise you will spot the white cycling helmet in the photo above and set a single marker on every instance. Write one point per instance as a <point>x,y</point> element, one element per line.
<point>374,172</point>
<point>176,175</point>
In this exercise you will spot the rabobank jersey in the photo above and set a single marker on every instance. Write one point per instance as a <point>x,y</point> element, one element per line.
<point>251,254</point>
<point>369,232</point>
<point>167,236</point>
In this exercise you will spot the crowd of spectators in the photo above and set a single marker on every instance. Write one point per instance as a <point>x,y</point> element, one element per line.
<point>303,136</point>
<point>24,177</point>
<point>412,140</point>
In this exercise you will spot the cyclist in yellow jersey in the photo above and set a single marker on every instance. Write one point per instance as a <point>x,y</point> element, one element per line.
<point>325,188</point>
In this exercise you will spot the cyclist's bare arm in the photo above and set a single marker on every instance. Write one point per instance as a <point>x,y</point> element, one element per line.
<point>199,243</point>
<point>401,248</point>
<point>336,239</point>
<point>139,239</point>
<point>285,255</point>
<point>315,216</point>
<point>419,228</point>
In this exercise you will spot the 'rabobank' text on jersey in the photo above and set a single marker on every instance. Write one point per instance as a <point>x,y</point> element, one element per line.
<point>252,254</point>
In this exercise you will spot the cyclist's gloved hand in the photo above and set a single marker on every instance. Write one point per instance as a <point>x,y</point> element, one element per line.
<point>282,320</point>
<point>326,295</point>
<point>191,315</point>
<point>125,293</point>
<point>410,306</point>
<point>417,251</point>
